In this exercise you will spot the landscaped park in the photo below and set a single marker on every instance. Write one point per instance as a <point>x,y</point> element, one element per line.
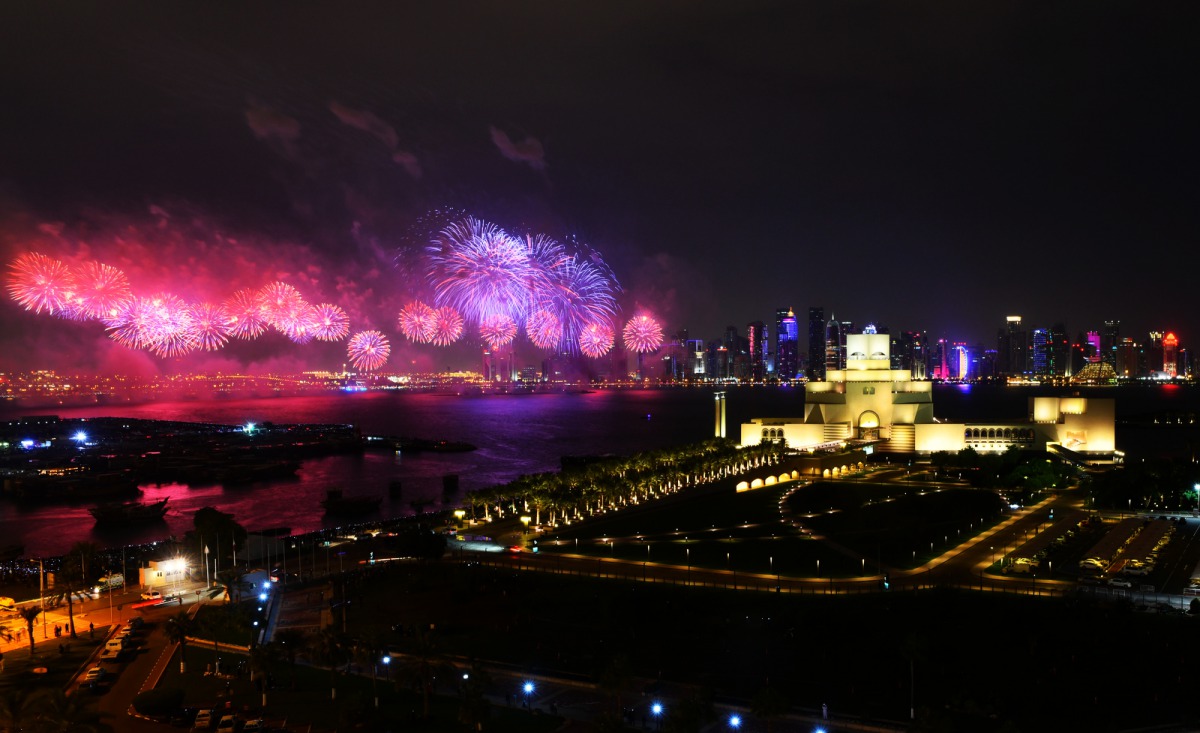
<point>667,593</point>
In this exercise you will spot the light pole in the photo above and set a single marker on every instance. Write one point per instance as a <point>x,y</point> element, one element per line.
<point>656,709</point>
<point>42,594</point>
<point>207,582</point>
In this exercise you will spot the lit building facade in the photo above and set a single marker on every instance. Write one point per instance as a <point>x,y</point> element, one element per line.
<point>787,352</point>
<point>869,401</point>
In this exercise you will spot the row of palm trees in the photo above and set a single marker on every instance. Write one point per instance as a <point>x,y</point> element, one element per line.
<point>48,710</point>
<point>613,484</point>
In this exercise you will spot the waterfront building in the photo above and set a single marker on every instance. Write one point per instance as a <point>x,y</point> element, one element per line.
<point>1170,350</point>
<point>816,344</point>
<point>1013,348</point>
<point>871,404</point>
<point>1109,338</point>
<point>786,345</point>
<point>756,336</point>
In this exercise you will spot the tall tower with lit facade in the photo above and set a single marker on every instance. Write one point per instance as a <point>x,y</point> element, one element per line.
<point>1013,348</point>
<point>1110,337</point>
<point>787,353</point>
<point>835,345</point>
<point>816,344</point>
<point>1170,345</point>
<point>756,335</point>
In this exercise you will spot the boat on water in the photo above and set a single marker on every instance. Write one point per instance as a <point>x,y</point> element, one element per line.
<point>338,504</point>
<point>133,512</point>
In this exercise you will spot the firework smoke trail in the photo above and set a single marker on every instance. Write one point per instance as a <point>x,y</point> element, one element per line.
<point>448,326</point>
<point>544,329</point>
<point>498,329</point>
<point>247,314</point>
<point>642,334</point>
<point>480,270</point>
<point>368,350</point>
<point>418,322</point>
<point>332,323</point>
<point>596,339</point>
<point>210,326</point>
<point>40,283</point>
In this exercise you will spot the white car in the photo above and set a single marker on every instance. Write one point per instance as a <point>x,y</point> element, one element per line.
<point>152,595</point>
<point>227,724</point>
<point>94,674</point>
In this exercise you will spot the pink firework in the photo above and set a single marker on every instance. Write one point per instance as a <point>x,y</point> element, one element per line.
<point>368,350</point>
<point>332,323</point>
<point>448,326</point>
<point>40,283</point>
<point>497,329</point>
<point>283,306</point>
<point>169,327</point>
<point>101,290</point>
<point>544,329</point>
<point>418,322</point>
<point>642,334</point>
<point>210,326</point>
<point>596,339</point>
<point>247,315</point>
<point>301,327</point>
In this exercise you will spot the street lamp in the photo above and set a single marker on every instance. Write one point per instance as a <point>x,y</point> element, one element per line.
<point>525,520</point>
<point>459,514</point>
<point>207,582</point>
<point>656,709</point>
<point>735,721</point>
<point>527,688</point>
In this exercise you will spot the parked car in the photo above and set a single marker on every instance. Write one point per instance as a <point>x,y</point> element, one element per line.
<point>94,674</point>
<point>152,595</point>
<point>253,725</point>
<point>228,724</point>
<point>204,720</point>
<point>1120,583</point>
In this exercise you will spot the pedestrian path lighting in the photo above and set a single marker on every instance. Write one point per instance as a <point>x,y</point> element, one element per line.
<point>459,514</point>
<point>525,520</point>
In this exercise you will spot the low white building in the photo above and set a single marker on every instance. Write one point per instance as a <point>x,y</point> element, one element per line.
<point>871,402</point>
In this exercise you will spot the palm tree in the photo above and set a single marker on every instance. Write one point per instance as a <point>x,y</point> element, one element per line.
<point>423,664</point>
<point>327,647</point>
<point>262,660</point>
<point>290,642</point>
<point>67,586</point>
<point>16,706</point>
<point>30,613</point>
<point>616,680</point>
<point>58,713</point>
<point>235,583</point>
<point>768,705</point>
<point>178,628</point>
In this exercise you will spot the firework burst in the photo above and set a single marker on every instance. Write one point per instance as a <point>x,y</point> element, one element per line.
<point>40,283</point>
<point>544,329</point>
<point>480,270</point>
<point>497,329</point>
<point>368,350</point>
<point>101,289</point>
<point>247,315</point>
<point>642,334</point>
<point>418,322</point>
<point>332,323</point>
<point>209,326</point>
<point>596,339</point>
<point>448,326</point>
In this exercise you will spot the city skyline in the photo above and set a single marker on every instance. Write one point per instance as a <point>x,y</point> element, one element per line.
<point>920,168</point>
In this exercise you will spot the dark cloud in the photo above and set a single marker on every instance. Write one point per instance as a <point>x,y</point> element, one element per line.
<point>382,131</point>
<point>529,151</point>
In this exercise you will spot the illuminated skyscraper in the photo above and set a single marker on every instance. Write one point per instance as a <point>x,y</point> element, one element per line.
<point>1042,343</point>
<point>816,344</point>
<point>1109,338</point>
<point>835,340</point>
<point>756,335</point>
<point>1013,348</point>
<point>1170,352</point>
<point>787,354</point>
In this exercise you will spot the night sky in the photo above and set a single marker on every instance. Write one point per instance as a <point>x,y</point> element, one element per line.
<point>916,165</point>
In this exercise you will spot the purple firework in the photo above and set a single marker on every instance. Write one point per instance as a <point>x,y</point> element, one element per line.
<point>368,350</point>
<point>480,270</point>
<point>578,291</point>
